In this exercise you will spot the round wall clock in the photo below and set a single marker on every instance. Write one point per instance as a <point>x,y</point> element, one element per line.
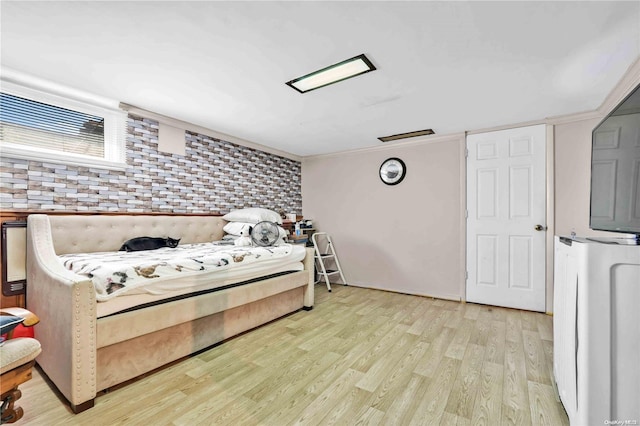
<point>392,171</point>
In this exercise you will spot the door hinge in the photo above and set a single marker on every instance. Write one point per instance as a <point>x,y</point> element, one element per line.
<point>466,214</point>
<point>466,152</point>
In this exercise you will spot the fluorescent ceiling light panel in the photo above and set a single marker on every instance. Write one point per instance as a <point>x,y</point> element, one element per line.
<point>407,135</point>
<point>332,74</point>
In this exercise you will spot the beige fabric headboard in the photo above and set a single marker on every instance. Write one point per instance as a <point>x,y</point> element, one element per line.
<point>87,234</point>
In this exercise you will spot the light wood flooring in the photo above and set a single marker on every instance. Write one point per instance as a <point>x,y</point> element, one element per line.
<point>359,357</point>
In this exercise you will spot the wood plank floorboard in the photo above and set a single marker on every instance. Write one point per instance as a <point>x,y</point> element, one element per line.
<point>360,357</point>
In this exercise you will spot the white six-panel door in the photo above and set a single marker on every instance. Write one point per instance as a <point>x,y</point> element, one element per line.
<point>506,203</point>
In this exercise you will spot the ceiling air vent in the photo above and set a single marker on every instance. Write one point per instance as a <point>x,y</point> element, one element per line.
<point>407,135</point>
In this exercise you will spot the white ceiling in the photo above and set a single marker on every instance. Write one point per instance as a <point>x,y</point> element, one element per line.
<point>450,66</point>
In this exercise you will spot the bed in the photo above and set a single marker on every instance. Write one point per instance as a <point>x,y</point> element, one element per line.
<point>100,329</point>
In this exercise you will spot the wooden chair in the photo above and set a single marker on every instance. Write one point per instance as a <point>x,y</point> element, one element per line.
<point>17,358</point>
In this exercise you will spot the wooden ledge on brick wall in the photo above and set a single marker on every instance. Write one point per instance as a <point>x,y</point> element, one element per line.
<point>23,214</point>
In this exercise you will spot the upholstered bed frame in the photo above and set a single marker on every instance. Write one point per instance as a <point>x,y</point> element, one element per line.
<point>83,353</point>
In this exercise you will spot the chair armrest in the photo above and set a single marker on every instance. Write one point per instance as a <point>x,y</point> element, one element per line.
<point>30,319</point>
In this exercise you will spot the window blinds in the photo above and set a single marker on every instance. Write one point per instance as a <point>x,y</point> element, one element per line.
<point>39,125</point>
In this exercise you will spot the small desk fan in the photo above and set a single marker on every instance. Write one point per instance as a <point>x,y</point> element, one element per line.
<point>265,234</point>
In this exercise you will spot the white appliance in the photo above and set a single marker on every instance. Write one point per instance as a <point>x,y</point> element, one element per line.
<point>596,330</point>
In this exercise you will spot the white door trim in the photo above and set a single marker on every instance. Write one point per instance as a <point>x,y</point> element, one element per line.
<point>551,218</point>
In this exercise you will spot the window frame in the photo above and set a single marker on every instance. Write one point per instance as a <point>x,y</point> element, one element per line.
<point>115,128</point>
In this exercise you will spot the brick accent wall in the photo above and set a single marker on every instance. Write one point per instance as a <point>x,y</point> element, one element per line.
<point>213,176</point>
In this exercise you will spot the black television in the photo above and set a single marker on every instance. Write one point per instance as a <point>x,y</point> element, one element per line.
<point>615,170</point>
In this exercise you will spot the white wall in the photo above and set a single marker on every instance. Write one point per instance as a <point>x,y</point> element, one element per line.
<point>411,238</point>
<point>573,178</point>
<point>422,215</point>
<point>407,237</point>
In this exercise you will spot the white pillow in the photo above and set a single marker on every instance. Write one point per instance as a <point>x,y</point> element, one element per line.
<point>234,228</point>
<point>253,216</point>
<point>281,236</point>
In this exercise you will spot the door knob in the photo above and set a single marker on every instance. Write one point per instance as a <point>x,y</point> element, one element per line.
<point>540,228</point>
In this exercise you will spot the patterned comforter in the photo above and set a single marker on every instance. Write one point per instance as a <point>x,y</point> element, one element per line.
<point>114,273</point>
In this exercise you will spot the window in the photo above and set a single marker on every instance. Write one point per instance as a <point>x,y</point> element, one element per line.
<point>43,126</point>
